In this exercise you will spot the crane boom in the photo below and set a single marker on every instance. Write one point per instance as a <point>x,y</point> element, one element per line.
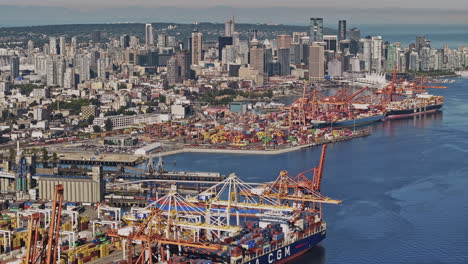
<point>54,229</point>
<point>355,94</point>
<point>318,172</point>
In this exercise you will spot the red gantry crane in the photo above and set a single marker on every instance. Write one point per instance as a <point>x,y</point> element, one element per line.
<point>36,248</point>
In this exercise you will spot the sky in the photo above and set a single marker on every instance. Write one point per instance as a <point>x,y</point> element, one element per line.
<point>90,4</point>
<point>32,12</point>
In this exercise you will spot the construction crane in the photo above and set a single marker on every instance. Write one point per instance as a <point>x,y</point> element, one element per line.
<point>35,249</point>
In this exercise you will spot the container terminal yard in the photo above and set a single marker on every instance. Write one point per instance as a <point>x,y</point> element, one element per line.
<point>228,221</point>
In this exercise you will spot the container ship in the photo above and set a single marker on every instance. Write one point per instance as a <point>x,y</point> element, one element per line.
<point>232,222</point>
<point>361,115</point>
<point>421,104</point>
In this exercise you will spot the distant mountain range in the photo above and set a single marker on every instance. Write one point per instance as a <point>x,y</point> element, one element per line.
<point>35,15</point>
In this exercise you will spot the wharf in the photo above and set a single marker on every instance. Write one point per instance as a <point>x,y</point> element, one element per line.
<point>104,159</point>
<point>202,149</point>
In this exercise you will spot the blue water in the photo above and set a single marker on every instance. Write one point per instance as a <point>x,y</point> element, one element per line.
<point>453,35</point>
<point>404,188</point>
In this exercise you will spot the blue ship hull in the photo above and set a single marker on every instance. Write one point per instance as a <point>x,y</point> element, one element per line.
<point>350,123</point>
<point>289,252</point>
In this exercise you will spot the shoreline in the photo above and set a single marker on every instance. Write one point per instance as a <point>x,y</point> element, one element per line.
<point>252,151</point>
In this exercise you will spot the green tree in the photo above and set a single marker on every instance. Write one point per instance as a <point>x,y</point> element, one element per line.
<point>90,119</point>
<point>108,125</point>
<point>45,154</point>
<point>12,153</point>
<point>54,157</point>
<point>97,129</point>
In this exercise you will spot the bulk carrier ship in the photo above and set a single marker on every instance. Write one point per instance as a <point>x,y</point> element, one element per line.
<point>232,222</point>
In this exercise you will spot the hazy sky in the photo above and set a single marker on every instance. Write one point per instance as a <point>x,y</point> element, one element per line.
<point>360,4</point>
<point>28,12</point>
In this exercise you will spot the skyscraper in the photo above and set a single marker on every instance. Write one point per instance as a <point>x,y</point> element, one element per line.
<point>14,67</point>
<point>420,43</point>
<point>162,40</point>
<point>125,41</point>
<point>229,28</point>
<point>316,62</point>
<point>367,53</point>
<point>283,60</point>
<point>257,56</point>
<point>197,42</point>
<point>341,30</point>
<point>377,50</point>
<point>316,29</point>
<point>96,36</point>
<point>62,46</point>
<point>74,45</point>
<point>331,42</point>
<point>53,45</point>
<point>223,42</point>
<point>297,36</point>
<point>283,41</point>
<point>149,38</point>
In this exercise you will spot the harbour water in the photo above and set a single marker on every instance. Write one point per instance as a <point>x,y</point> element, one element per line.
<point>404,187</point>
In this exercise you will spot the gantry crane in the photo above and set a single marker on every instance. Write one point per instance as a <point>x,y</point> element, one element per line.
<point>45,251</point>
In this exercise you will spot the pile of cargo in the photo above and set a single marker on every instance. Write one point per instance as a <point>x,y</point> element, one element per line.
<point>98,247</point>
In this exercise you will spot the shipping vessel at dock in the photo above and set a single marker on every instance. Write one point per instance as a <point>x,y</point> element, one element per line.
<point>231,222</point>
<point>421,104</point>
<point>350,122</point>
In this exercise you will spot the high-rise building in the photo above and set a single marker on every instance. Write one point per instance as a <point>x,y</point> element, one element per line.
<point>425,59</point>
<point>283,42</point>
<point>162,40</point>
<point>60,70</point>
<point>172,71</point>
<point>295,54</point>
<point>354,37</point>
<point>392,57</point>
<point>229,28</point>
<point>377,50</point>
<point>51,70</point>
<point>53,45</point>
<point>125,41</point>
<point>316,29</point>
<point>316,62</point>
<point>297,36</point>
<point>74,45</point>
<point>183,59</point>
<point>178,67</point>
<point>134,42</point>
<point>96,36</point>
<point>335,68</point>
<point>341,30</point>
<point>366,53</point>
<point>69,78</point>
<point>331,42</point>
<point>229,55</point>
<point>257,56</point>
<point>283,60</point>
<point>197,42</point>
<point>420,43</point>
<point>62,46</point>
<point>83,65</point>
<point>355,34</point>
<point>223,42</point>
<point>14,67</point>
<point>30,47</point>
<point>413,64</point>
<point>236,39</point>
<point>149,37</point>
